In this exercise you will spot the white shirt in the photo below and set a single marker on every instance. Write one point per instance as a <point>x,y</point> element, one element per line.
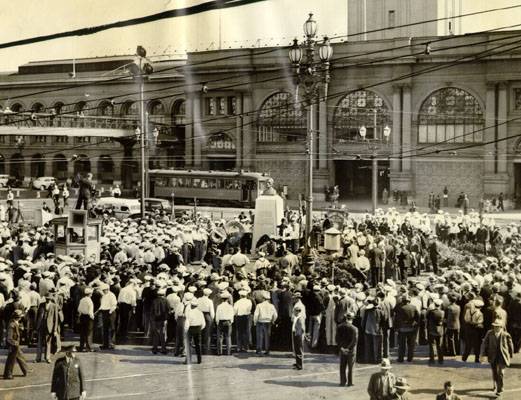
<point>265,312</point>
<point>109,302</point>
<point>86,307</point>
<point>206,306</point>
<point>224,312</point>
<point>194,317</point>
<point>243,306</point>
<point>128,295</point>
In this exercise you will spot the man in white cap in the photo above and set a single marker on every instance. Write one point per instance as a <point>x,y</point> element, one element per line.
<point>498,348</point>
<point>206,306</point>
<point>381,384</point>
<point>224,320</point>
<point>86,316</point>
<point>401,387</point>
<point>194,324</point>
<point>127,301</point>
<point>107,308</point>
<point>298,331</point>
<point>265,315</point>
<point>242,309</point>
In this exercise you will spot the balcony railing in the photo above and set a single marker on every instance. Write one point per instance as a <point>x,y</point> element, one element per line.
<point>47,120</point>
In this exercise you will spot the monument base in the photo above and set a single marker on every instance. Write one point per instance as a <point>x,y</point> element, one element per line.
<point>269,211</point>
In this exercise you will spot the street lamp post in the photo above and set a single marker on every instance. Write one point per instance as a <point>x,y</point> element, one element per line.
<point>144,69</point>
<point>311,75</point>
<point>374,166</point>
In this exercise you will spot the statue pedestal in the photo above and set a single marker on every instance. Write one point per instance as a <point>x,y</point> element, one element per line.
<point>269,211</point>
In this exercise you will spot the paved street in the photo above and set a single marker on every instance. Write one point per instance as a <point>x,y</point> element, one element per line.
<point>134,373</point>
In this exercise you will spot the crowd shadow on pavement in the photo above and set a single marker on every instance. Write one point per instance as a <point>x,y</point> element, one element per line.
<point>301,384</point>
<point>472,393</point>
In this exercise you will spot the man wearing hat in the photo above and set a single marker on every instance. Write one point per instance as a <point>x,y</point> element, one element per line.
<point>298,331</point>
<point>86,316</point>
<point>67,377</point>
<point>15,353</point>
<point>242,309</point>
<point>406,321</point>
<point>107,308</point>
<point>206,306</point>
<point>265,315</point>
<point>224,320</point>
<point>435,319</point>
<point>381,384</point>
<point>160,310</point>
<point>498,348</point>
<point>401,387</point>
<point>48,326</point>
<point>347,340</point>
<point>193,326</point>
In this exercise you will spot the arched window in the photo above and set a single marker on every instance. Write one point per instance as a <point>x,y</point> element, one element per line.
<point>130,109</point>
<point>450,115</point>
<point>361,108</point>
<point>179,113</point>
<point>37,107</point>
<point>60,166</point>
<point>17,107</point>
<point>80,107</point>
<point>156,108</point>
<point>281,120</point>
<point>106,109</point>
<point>59,107</point>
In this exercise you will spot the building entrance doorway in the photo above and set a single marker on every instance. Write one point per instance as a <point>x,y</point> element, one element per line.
<point>221,163</point>
<point>354,178</point>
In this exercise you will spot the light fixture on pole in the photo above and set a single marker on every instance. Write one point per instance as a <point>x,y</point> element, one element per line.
<point>387,133</point>
<point>311,75</point>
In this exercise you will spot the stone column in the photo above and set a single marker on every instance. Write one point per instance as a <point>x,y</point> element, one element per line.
<point>198,131</point>
<point>490,132</point>
<point>189,128</point>
<point>239,135</point>
<point>249,132</point>
<point>396,133</point>
<point>407,132</point>
<point>502,128</point>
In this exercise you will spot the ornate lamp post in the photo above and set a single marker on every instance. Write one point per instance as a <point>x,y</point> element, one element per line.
<point>311,75</point>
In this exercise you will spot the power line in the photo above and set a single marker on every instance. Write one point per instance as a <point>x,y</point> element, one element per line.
<point>180,12</point>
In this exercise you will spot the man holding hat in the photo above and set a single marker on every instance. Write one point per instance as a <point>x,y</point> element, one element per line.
<point>382,384</point>
<point>67,377</point>
<point>15,353</point>
<point>347,340</point>
<point>498,348</point>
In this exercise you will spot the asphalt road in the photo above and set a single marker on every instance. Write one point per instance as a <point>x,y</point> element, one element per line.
<point>133,372</point>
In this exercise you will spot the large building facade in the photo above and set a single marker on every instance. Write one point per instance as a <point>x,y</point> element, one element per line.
<point>452,106</point>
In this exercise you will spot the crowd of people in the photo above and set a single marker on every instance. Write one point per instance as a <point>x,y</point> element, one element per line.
<point>408,280</point>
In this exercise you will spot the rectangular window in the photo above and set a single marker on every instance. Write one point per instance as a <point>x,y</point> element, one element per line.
<point>440,133</point>
<point>221,104</point>
<point>458,133</point>
<point>391,19</point>
<point>422,134</point>
<point>61,139</point>
<point>210,106</point>
<point>431,133</point>
<point>232,105</point>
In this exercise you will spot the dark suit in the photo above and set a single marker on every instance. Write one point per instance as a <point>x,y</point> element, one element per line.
<point>499,350</point>
<point>435,333</point>
<point>452,318</point>
<point>67,378</point>
<point>84,193</point>
<point>14,354</point>
<point>406,323</point>
<point>443,396</point>
<point>347,339</point>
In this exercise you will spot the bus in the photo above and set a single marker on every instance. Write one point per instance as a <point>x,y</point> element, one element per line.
<point>235,188</point>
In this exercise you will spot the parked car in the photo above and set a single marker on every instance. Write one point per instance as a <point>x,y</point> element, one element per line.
<point>15,182</point>
<point>43,182</point>
<point>153,204</point>
<point>4,179</point>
